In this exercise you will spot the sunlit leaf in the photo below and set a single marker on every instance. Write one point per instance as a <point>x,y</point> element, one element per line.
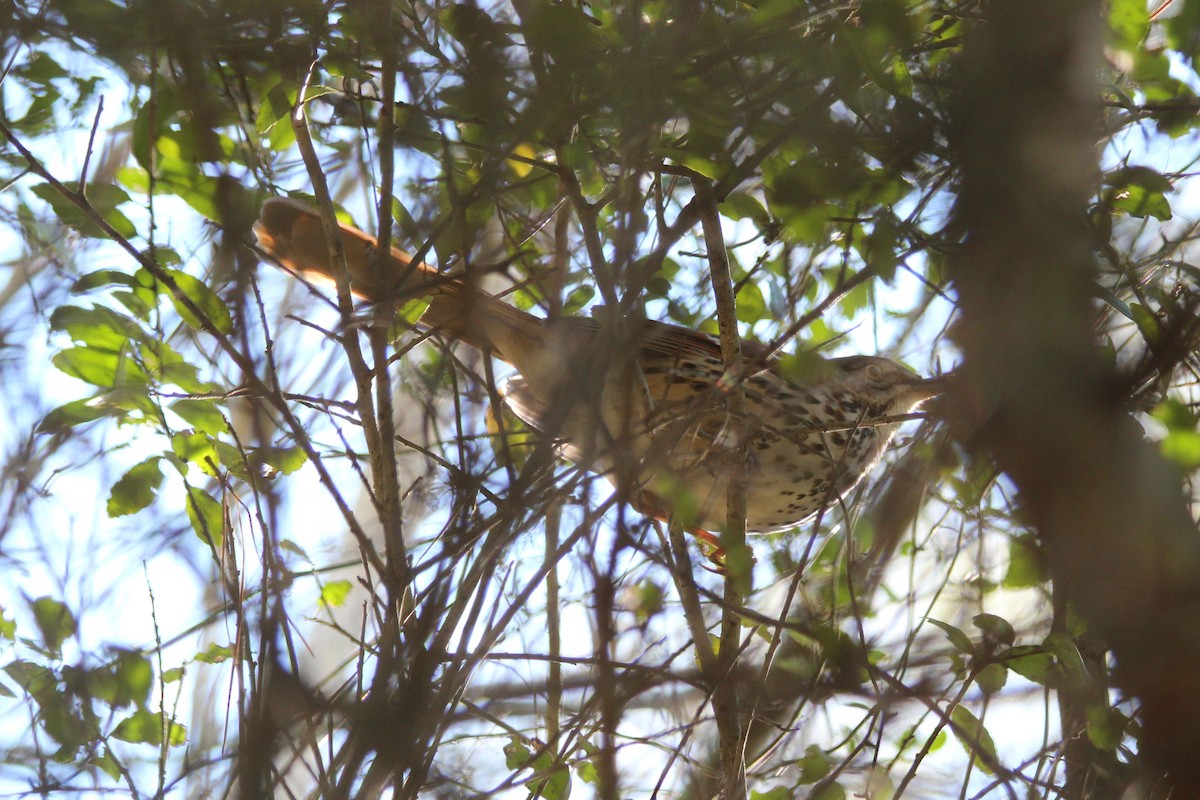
<point>148,727</point>
<point>100,203</point>
<point>203,414</point>
<point>204,299</point>
<point>207,517</point>
<point>55,622</point>
<point>334,593</point>
<point>214,654</point>
<point>136,489</point>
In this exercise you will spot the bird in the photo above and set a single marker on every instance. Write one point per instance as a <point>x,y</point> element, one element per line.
<point>659,421</point>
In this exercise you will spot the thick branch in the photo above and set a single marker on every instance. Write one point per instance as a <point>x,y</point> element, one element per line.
<point>1118,534</point>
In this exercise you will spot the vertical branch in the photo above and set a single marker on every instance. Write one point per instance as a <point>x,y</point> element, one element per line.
<point>1119,539</point>
<point>337,257</point>
<point>733,537</point>
<point>554,686</point>
<point>383,458</point>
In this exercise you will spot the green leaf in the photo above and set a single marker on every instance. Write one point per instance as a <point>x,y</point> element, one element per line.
<point>1070,666</point>
<point>204,298</point>
<point>996,629</point>
<point>134,679</point>
<point>1147,323</point>
<point>412,311</point>
<point>973,737</point>
<point>1183,448</point>
<point>778,793</point>
<point>284,460</point>
<point>830,791</point>
<point>1105,726</point>
<point>97,367</point>
<point>814,765</point>
<point>1139,191</point>
<point>196,447</point>
<point>739,206</point>
<point>1182,442</point>
<point>8,626</point>
<point>1128,22</point>
<point>97,327</point>
<point>101,279</point>
<point>215,654</point>
<point>136,489</point>
<point>1031,662</point>
<point>103,200</point>
<point>991,678</point>
<point>105,762</point>
<point>958,639</point>
<point>204,415</point>
<point>334,593</point>
<point>76,412</point>
<point>517,754</point>
<point>168,366</point>
<point>55,622</point>
<point>1026,568</point>
<point>147,727</point>
<point>206,516</point>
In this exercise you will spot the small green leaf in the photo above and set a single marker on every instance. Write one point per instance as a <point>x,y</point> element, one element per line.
<point>202,414</point>
<point>958,639</point>
<point>206,516</point>
<point>1070,667</point>
<point>76,412</point>
<point>648,599</point>
<point>1147,323</point>
<point>974,737</point>
<point>516,754</point>
<point>172,675</point>
<point>1105,726</point>
<point>35,679</point>
<point>103,200</point>
<point>995,628</point>
<point>1032,663</point>
<point>215,654</point>
<point>204,298</point>
<point>282,459</point>
<point>97,367</point>
<point>739,206</point>
<point>8,626</point>
<point>991,678</point>
<point>147,727</point>
<point>412,311</point>
<point>830,791</point>
<point>136,489</point>
<point>105,762</point>
<point>134,679</point>
<point>1026,568</point>
<point>196,447</point>
<point>1182,442</point>
<point>334,593</point>
<point>97,327</point>
<point>778,793</point>
<point>55,622</point>
<point>1183,448</point>
<point>814,765</point>
<point>1139,191</point>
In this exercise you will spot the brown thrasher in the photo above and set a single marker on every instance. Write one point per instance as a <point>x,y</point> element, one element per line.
<point>659,420</point>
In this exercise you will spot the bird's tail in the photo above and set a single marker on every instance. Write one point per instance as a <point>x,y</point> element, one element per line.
<point>291,232</point>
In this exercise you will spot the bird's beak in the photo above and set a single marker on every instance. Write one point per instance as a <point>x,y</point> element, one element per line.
<point>931,387</point>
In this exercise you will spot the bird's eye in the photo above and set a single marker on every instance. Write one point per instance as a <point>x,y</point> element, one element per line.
<point>874,371</point>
